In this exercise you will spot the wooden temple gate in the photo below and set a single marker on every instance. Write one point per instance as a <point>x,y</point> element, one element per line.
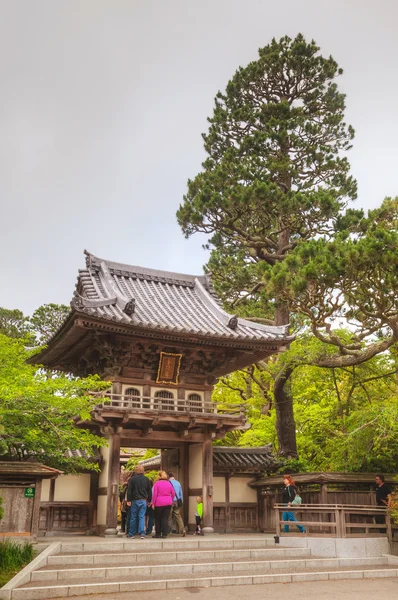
<point>162,339</point>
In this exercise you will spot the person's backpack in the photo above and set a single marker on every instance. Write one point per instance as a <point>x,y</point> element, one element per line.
<point>297,499</point>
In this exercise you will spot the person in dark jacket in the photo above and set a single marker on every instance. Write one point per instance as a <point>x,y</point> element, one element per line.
<point>139,495</point>
<point>383,499</point>
<point>123,507</point>
<point>289,494</point>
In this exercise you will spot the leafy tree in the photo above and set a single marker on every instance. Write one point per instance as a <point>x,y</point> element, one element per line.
<point>152,475</point>
<point>47,319</point>
<point>38,411</point>
<point>272,195</point>
<point>346,418</point>
<point>134,460</point>
<point>13,323</point>
<point>38,328</point>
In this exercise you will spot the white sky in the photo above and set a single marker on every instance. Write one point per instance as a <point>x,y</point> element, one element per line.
<point>102,103</point>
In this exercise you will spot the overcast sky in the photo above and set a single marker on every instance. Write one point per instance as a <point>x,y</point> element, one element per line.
<point>102,106</point>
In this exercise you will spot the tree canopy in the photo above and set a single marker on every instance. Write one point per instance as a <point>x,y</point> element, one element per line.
<point>38,411</point>
<point>43,323</point>
<point>273,196</point>
<point>346,418</point>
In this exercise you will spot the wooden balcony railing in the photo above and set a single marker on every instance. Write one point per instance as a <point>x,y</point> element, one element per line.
<point>335,520</point>
<point>169,405</point>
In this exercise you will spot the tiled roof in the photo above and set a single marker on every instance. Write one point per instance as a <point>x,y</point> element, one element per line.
<point>15,468</point>
<point>161,300</point>
<point>95,457</point>
<point>228,458</point>
<point>244,459</point>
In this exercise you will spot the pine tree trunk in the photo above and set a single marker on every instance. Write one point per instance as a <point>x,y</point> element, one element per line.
<point>285,424</point>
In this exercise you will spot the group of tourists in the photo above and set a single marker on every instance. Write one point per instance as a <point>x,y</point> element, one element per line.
<point>143,506</point>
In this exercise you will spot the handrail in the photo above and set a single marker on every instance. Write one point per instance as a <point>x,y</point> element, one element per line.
<point>338,523</point>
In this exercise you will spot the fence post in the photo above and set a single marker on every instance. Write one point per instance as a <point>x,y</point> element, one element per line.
<point>277,521</point>
<point>389,527</point>
<point>343,523</point>
<point>338,521</point>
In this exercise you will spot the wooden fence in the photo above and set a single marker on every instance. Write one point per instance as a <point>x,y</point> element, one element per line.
<point>65,517</point>
<point>335,520</point>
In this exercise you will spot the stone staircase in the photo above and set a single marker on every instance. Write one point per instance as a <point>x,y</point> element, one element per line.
<point>67,569</point>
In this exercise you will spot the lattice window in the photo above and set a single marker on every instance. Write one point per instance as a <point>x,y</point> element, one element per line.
<point>134,397</point>
<point>164,400</point>
<point>195,403</point>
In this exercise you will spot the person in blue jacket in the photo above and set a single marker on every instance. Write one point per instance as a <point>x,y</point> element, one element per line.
<point>175,513</point>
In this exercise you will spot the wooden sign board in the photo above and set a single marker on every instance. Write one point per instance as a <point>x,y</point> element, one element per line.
<point>169,368</point>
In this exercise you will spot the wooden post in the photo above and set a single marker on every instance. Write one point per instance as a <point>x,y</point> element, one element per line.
<point>338,522</point>
<point>117,390</point>
<point>184,480</point>
<point>261,510</point>
<point>146,392</point>
<point>52,490</point>
<point>343,524</point>
<point>113,483</point>
<point>389,527</point>
<point>180,396</point>
<point>207,484</point>
<point>323,494</point>
<point>94,482</point>
<point>36,509</point>
<point>228,526</point>
<point>277,521</point>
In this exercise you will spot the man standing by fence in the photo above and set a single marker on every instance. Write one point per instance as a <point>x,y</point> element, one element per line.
<point>383,498</point>
<point>175,512</point>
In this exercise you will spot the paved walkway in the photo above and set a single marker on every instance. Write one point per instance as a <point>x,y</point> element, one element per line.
<point>353,589</point>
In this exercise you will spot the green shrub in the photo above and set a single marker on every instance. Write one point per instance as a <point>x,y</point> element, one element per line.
<point>1,508</point>
<point>13,555</point>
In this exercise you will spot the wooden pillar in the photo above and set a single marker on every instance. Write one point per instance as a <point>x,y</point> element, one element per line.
<point>146,393</point>
<point>323,495</point>
<point>36,509</point>
<point>94,482</point>
<point>52,490</point>
<point>113,482</point>
<point>261,510</point>
<point>228,526</point>
<point>180,396</point>
<point>184,480</point>
<point>207,483</point>
<point>117,390</point>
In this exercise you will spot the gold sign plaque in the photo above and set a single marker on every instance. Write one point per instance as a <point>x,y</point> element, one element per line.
<point>169,368</point>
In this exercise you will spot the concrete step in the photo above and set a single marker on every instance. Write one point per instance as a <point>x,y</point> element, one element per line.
<point>171,543</point>
<point>161,556</point>
<point>171,571</point>
<point>33,592</point>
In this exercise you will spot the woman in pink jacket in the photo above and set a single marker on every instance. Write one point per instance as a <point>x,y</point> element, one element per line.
<point>162,499</point>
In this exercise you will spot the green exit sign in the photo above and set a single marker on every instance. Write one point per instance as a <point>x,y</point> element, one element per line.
<point>29,492</point>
